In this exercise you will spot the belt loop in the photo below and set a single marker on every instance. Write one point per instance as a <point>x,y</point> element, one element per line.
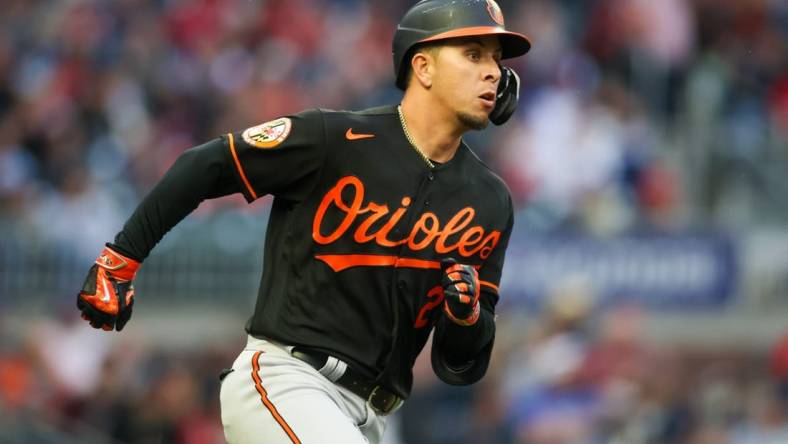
<point>333,369</point>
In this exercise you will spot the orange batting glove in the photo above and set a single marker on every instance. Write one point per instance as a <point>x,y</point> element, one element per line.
<point>107,295</point>
<point>461,292</point>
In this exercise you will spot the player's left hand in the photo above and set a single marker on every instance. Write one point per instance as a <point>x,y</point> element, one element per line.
<point>107,295</point>
<point>461,292</point>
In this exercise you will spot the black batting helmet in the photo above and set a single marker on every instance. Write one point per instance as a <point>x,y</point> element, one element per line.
<point>431,20</point>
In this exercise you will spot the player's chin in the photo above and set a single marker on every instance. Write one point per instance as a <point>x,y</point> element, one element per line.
<point>475,121</point>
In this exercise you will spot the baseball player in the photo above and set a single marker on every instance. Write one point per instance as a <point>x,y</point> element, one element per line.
<point>384,227</point>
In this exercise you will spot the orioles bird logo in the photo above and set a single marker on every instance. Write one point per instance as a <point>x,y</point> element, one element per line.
<point>268,134</point>
<point>495,12</point>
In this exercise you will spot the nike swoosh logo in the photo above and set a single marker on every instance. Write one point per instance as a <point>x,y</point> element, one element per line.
<point>350,135</point>
<point>106,292</point>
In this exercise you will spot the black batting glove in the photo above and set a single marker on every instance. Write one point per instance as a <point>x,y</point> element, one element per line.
<point>461,292</point>
<point>107,296</point>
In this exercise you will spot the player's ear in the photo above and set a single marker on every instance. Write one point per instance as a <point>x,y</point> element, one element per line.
<point>423,66</point>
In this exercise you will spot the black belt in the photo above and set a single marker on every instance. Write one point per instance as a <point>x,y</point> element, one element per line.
<point>382,400</point>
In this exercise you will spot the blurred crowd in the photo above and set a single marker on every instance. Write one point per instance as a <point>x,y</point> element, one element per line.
<point>663,113</point>
<point>668,114</point>
<point>62,383</point>
<point>579,374</point>
<point>583,374</point>
<point>633,111</point>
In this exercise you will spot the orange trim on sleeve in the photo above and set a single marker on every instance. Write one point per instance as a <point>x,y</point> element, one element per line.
<point>489,284</point>
<point>267,402</point>
<point>238,166</point>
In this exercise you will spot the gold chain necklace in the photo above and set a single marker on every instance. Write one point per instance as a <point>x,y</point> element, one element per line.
<point>410,140</point>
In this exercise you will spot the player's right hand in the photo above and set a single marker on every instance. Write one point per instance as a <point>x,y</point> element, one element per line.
<point>107,295</point>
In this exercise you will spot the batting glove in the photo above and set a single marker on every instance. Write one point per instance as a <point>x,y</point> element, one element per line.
<point>461,292</point>
<point>107,295</point>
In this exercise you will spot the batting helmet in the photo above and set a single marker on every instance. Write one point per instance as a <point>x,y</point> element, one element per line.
<point>431,20</point>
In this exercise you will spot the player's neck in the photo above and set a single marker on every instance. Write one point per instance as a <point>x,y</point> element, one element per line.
<point>435,133</point>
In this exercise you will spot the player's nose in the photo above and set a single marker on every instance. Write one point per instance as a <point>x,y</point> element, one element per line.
<point>491,71</point>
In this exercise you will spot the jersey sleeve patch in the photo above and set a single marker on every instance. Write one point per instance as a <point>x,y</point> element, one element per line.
<point>269,134</point>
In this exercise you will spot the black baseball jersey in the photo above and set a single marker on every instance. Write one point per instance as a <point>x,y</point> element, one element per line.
<point>358,227</point>
<point>356,233</point>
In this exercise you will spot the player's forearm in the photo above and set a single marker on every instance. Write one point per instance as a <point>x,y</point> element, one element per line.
<point>462,344</point>
<point>199,173</point>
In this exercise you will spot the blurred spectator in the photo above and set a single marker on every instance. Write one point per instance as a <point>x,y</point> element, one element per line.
<point>766,420</point>
<point>546,401</point>
<point>17,377</point>
<point>778,366</point>
<point>71,358</point>
<point>640,399</point>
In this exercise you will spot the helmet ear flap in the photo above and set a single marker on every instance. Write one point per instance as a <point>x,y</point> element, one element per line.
<point>507,96</point>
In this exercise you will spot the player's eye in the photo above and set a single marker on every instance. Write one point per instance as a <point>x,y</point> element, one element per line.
<point>474,55</point>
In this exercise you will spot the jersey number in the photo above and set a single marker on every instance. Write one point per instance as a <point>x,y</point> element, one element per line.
<point>423,319</point>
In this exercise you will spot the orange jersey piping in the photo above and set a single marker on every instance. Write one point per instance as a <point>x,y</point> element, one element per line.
<point>267,402</point>
<point>238,166</point>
